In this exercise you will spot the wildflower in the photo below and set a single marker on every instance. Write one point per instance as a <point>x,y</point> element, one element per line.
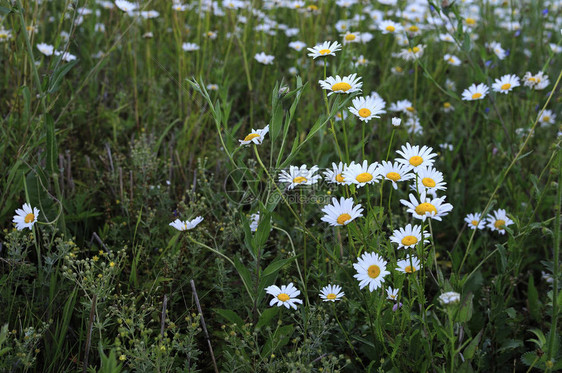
<point>256,136</point>
<point>284,296</point>
<point>371,270</point>
<point>475,92</point>
<point>255,218</point>
<point>335,175</point>
<point>395,172</point>
<point>5,35</point>
<point>499,221</point>
<point>449,297</point>
<point>324,49</point>
<point>367,108</point>
<point>497,49</point>
<point>446,146</point>
<point>264,58</point>
<point>409,265</point>
<point>413,125</point>
<point>25,217</point>
<point>537,82</point>
<point>190,47</point>
<point>391,294</point>
<point>415,157</point>
<point>347,84</point>
<point>186,225</point>
<point>342,212</point>
<point>297,45</point>
<point>351,37</point>
<point>452,60</point>
<point>410,54</point>
<point>475,221</point>
<point>506,83</point>
<point>409,236</point>
<point>390,27</point>
<point>430,179</point>
<point>433,208</point>
<point>125,6</point>
<point>404,106</point>
<point>331,293</point>
<point>361,61</point>
<point>447,107</point>
<point>66,56</point>
<point>547,117</point>
<point>361,174</point>
<point>396,121</point>
<point>212,87</point>
<point>299,176</point>
<point>46,49</point>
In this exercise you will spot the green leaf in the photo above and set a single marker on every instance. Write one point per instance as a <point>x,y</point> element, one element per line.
<point>275,266</point>
<point>267,316</point>
<point>244,275</point>
<point>230,316</point>
<point>464,312</point>
<point>473,345</point>
<point>533,299</point>
<point>52,152</point>
<point>57,77</point>
<point>510,344</point>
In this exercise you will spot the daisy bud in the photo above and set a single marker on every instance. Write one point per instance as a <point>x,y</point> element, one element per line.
<point>396,121</point>
<point>449,297</point>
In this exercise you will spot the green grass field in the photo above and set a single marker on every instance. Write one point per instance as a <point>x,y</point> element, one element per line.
<point>280,186</point>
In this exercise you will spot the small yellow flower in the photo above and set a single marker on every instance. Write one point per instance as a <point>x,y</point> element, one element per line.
<point>96,258</point>
<point>112,264</point>
<point>122,357</point>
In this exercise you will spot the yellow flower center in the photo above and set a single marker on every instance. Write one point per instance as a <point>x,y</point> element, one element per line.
<point>409,269</point>
<point>283,297</point>
<point>392,296</point>
<point>394,176</point>
<point>343,218</point>
<point>414,28</point>
<point>428,182</point>
<point>499,224</point>
<point>410,109</point>
<point>390,28</point>
<point>331,296</point>
<point>477,95</point>
<point>374,271</point>
<point>446,105</point>
<point>324,51</point>
<point>312,7</point>
<point>350,37</point>
<point>474,222</point>
<point>506,86</point>
<point>415,50</point>
<point>364,113</point>
<point>532,79</point>
<point>299,179</point>
<point>470,21</point>
<point>398,69</point>
<point>546,118</point>
<point>416,160</point>
<point>451,60</point>
<point>251,136</point>
<point>341,86</point>
<point>339,178</point>
<point>424,208</point>
<point>364,177</point>
<point>29,218</point>
<point>409,240</point>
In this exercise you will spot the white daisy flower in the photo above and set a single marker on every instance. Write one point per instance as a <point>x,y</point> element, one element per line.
<point>361,174</point>
<point>415,157</point>
<point>25,217</point>
<point>390,27</point>
<point>475,92</point>
<point>299,176</point>
<point>125,6</point>
<point>506,83</point>
<point>46,49</point>
<point>433,208</point>
<point>498,221</point>
<point>189,47</point>
<point>449,297</point>
<point>66,56</point>
<point>342,212</point>
<point>371,270</point>
<point>497,49</point>
<point>347,84</point>
<point>297,45</point>
<point>331,293</point>
<point>537,82</point>
<point>404,106</point>
<point>256,136</point>
<point>409,265</point>
<point>351,37</point>
<point>324,49</point>
<point>335,175</point>
<point>452,60</point>
<point>395,172</point>
<point>396,121</point>
<point>409,236</point>
<point>430,179</point>
<point>264,58</point>
<point>475,221</point>
<point>447,107</point>
<point>547,117</point>
<point>410,54</point>
<point>186,225</point>
<point>367,108</point>
<point>391,294</point>
<point>284,296</point>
